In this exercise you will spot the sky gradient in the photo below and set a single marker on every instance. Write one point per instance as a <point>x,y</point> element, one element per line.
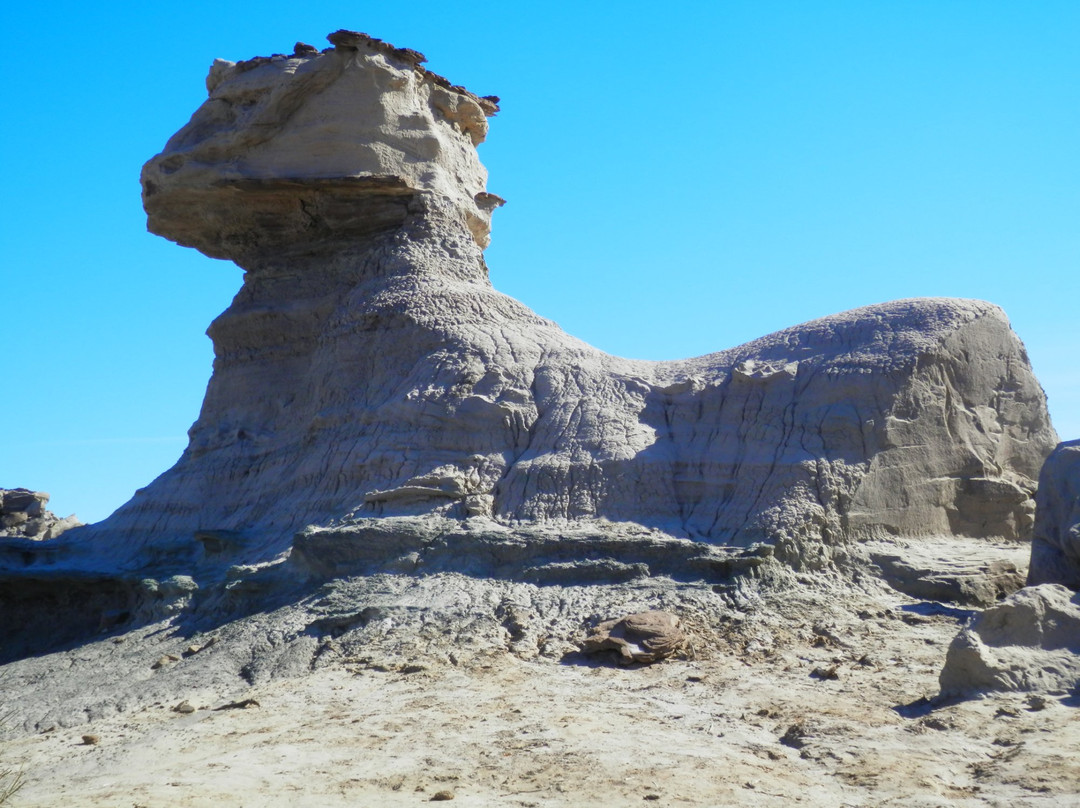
<point>678,182</point>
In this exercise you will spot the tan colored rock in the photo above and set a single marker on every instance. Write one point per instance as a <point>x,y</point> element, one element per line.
<point>289,152</point>
<point>642,637</point>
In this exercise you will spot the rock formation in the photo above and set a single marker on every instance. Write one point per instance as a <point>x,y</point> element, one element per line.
<point>23,515</point>
<point>1030,642</point>
<point>397,469</point>
<point>1055,546</point>
<point>367,368</point>
<point>376,407</point>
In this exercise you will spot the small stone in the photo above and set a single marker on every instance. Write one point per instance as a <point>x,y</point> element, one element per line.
<point>439,796</point>
<point>795,736</point>
<point>184,707</point>
<point>90,740</point>
<point>168,659</point>
<point>825,673</point>
<point>1036,703</point>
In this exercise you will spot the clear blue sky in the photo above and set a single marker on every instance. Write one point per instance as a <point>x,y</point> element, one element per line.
<point>680,180</point>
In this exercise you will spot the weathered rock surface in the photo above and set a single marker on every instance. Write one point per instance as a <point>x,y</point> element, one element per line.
<point>408,494</point>
<point>23,515</point>
<point>368,370</point>
<point>643,637</point>
<point>1055,546</point>
<point>1029,642</point>
<point>974,572</point>
<point>393,455</point>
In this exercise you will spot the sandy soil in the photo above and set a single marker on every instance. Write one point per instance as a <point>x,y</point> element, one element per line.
<point>714,728</point>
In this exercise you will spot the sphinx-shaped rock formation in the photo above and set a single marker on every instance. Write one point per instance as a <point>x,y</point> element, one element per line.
<point>367,368</point>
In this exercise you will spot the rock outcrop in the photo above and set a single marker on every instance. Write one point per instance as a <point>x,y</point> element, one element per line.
<point>23,515</point>
<point>394,462</point>
<point>1030,642</point>
<point>1055,546</point>
<point>368,369</point>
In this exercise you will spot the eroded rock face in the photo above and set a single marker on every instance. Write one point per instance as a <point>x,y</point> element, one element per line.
<point>368,369</point>
<point>1055,547</point>
<point>313,151</point>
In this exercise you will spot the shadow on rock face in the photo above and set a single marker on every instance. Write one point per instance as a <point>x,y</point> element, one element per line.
<point>1055,547</point>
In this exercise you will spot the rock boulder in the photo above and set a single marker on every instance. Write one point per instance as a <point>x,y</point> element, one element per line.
<point>1029,643</point>
<point>23,515</point>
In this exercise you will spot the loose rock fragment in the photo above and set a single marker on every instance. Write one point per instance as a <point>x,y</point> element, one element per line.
<point>794,736</point>
<point>643,637</point>
<point>162,661</point>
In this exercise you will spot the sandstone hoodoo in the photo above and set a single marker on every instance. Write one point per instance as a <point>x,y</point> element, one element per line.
<point>368,369</point>
<point>416,500</point>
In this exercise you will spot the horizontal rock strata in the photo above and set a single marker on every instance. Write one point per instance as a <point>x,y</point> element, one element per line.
<point>393,456</point>
<point>368,369</point>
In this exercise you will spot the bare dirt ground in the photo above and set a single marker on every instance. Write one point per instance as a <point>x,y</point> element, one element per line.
<point>769,725</point>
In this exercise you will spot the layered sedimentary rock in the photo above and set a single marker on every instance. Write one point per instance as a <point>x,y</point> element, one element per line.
<point>368,369</point>
<point>1055,545</point>
<point>23,515</point>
